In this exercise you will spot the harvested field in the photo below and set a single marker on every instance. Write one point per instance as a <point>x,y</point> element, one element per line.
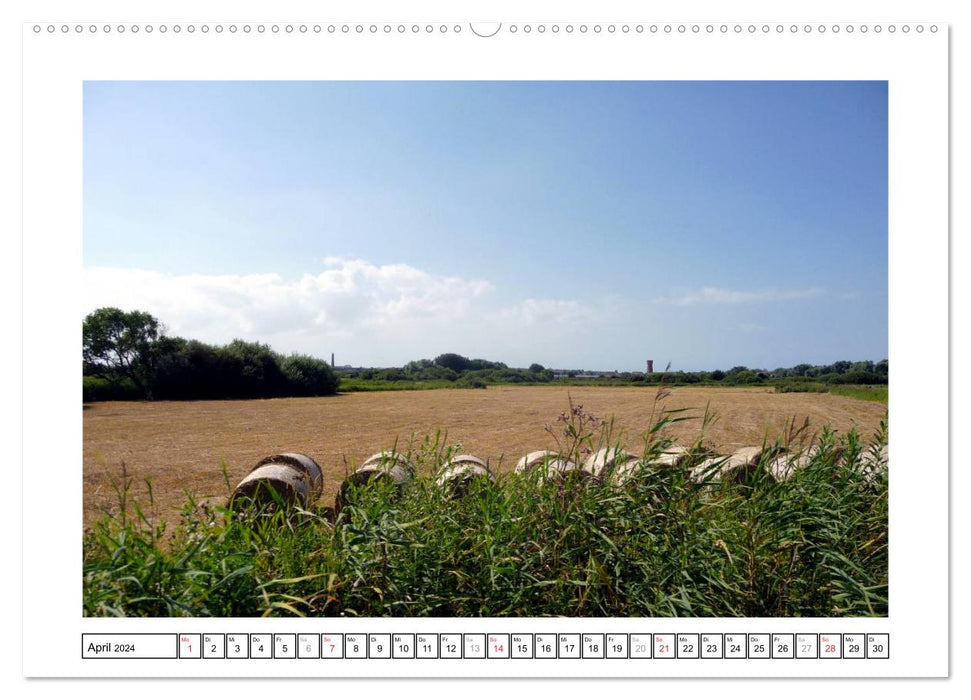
<point>182,445</point>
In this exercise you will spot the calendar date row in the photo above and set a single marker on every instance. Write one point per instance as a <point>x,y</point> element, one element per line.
<point>486,646</point>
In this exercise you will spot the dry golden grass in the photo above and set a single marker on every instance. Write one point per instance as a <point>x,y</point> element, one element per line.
<point>182,445</point>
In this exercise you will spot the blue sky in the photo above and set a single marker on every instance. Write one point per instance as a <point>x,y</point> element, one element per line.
<point>581,225</point>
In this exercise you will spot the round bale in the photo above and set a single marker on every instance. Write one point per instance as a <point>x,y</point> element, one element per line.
<point>301,462</point>
<point>385,466</point>
<point>872,463</point>
<point>672,456</point>
<point>563,470</point>
<point>603,461</point>
<point>738,468</point>
<point>626,472</point>
<point>786,465</point>
<point>460,472</point>
<point>290,477</point>
<point>708,470</point>
<point>550,466</point>
<point>533,459</point>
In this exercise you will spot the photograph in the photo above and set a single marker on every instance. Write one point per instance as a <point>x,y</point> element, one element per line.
<point>482,349</point>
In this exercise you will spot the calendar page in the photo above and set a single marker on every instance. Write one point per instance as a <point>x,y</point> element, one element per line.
<point>504,344</point>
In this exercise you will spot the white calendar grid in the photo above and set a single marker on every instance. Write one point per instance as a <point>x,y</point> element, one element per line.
<point>455,645</point>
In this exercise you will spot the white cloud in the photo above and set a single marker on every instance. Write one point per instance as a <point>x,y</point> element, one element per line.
<point>717,295</point>
<point>367,313</point>
<point>347,295</point>
<point>545,312</point>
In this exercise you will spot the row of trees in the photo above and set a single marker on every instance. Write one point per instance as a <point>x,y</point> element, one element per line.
<point>127,355</point>
<point>843,367</point>
<point>463,371</point>
<point>842,372</point>
<point>452,367</point>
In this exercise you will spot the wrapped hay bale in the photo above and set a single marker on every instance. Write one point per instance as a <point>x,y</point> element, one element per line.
<point>533,459</point>
<point>784,466</point>
<point>627,472</point>
<point>461,471</point>
<point>550,466</point>
<point>602,462</point>
<point>388,459</point>
<point>385,466</point>
<point>289,478</point>
<point>872,463</point>
<point>708,470</point>
<point>740,467</point>
<point>672,456</point>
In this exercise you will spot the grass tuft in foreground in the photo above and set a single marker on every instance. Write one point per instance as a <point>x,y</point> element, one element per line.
<point>814,545</point>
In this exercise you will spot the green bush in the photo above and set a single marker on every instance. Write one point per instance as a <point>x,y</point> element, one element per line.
<point>308,376</point>
<point>800,380</point>
<point>98,389</point>
<point>788,386</point>
<point>240,370</point>
<point>131,359</point>
<point>745,376</point>
<point>858,377</point>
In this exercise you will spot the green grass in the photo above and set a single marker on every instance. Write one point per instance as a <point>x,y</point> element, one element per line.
<point>878,393</point>
<point>865,392</point>
<point>815,545</point>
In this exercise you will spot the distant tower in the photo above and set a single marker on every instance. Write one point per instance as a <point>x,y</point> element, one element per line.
<point>650,366</point>
<point>332,360</point>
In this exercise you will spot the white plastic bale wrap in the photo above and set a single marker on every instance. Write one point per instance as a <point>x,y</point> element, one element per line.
<point>549,465</point>
<point>602,462</point>
<point>291,477</point>
<point>461,471</point>
<point>385,457</point>
<point>707,470</point>
<point>671,456</point>
<point>786,465</point>
<point>737,468</point>
<point>386,465</point>
<point>872,463</point>
<point>564,468</point>
<point>534,459</point>
<point>301,462</point>
<point>626,472</point>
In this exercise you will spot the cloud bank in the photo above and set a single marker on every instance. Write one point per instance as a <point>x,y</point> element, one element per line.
<point>374,313</point>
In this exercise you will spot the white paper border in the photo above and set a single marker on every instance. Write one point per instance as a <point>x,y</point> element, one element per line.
<point>55,65</point>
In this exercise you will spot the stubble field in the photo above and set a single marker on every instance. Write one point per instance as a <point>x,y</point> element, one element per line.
<point>181,446</point>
